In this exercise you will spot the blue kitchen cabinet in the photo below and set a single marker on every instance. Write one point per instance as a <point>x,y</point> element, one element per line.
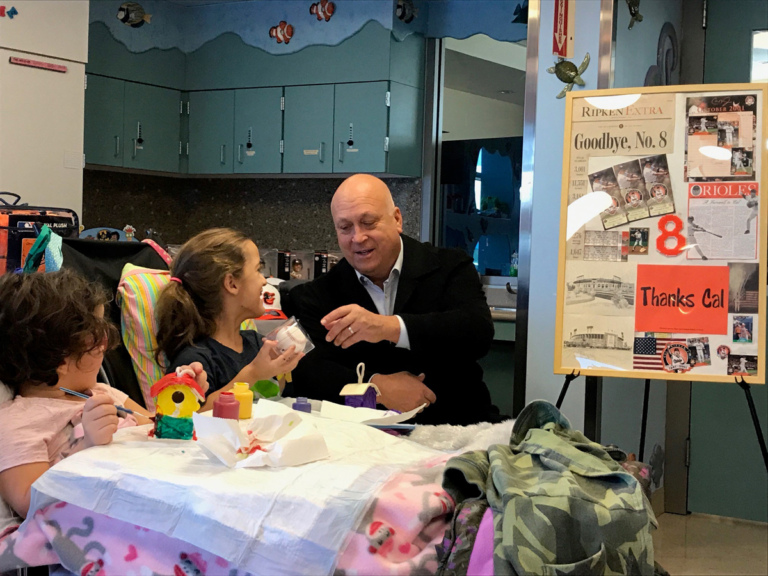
<point>103,138</point>
<point>258,131</point>
<point>308,129</point>
<point>353,127</point>
<point>211,132</point>
<point>151,122</point>
<point>344,128</point>
<point>406,129</point>
<point>360,127</point>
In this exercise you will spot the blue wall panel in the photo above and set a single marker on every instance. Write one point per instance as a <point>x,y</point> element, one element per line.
<point>227,62</point>
<point>108,57</point>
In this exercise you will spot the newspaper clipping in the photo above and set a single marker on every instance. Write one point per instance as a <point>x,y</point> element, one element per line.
<point>720,138</point>
<point>722,221</point>
<point>643,130</point>
<point>645,127</point>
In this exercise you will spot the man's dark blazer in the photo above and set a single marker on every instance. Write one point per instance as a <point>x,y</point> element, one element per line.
<point>442,303</point>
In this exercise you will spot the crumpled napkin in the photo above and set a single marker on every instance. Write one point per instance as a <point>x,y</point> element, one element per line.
<point>275,436</point>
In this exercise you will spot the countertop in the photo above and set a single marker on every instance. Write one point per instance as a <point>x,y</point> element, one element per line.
<point>501,314</point>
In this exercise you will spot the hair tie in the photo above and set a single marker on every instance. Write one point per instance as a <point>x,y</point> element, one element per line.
<point>174,279</point>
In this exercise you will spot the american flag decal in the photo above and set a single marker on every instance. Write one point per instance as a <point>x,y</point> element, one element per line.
<point>648,350</point>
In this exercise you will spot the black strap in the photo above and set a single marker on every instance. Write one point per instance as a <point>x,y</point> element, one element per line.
<point>15,202</point>
<point>568,379</point>
<point>755,420</point>
<point>644,421</point>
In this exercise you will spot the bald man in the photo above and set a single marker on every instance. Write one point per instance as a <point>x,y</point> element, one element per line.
<point>416,315</point>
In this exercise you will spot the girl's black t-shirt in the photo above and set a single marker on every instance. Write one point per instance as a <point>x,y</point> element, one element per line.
<point>220,362</point>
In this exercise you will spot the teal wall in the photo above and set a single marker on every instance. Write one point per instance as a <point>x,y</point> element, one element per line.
<point>108,57</point>
<point>405,141</point>
<point>189,25</point>
<point>727,476</point>
<point>227,62</point>
<point>636,50</point>
<point>623,410</point>
<point>727,55</point>
<point>406,61</point>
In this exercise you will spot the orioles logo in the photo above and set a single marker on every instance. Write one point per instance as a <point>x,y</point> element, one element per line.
<point>676,358</point>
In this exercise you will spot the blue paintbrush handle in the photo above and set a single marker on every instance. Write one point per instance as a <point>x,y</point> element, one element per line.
<point>81,395</point>
<point>78,394</point>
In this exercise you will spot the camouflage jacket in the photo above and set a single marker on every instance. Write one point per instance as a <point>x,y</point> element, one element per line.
<point>560,504</point>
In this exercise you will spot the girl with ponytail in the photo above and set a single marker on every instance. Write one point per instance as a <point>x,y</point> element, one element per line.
<point>215,285</point>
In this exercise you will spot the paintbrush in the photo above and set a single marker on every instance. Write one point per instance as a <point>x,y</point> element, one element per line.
<point>81,395</point>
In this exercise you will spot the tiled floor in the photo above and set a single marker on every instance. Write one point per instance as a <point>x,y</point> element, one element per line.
<point>700,544</point>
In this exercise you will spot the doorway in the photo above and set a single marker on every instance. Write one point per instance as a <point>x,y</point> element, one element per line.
<point>478,183</point>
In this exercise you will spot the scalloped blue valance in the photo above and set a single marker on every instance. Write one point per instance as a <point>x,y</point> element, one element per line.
<point>187,25</point>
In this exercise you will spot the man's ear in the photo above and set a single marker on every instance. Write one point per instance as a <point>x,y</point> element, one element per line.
<point>399,219</point>
<point>231,284</point>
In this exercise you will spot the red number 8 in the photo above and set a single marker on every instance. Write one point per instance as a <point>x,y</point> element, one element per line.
<point>677,227</point>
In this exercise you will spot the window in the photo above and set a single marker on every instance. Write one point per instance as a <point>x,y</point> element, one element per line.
<point>481,151</point>
<point>759,71</point>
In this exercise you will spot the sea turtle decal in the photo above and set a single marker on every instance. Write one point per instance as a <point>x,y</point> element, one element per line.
<point>634,12</point>
<point>567,72</point>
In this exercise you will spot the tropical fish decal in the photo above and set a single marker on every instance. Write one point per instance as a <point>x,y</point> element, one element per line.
<point>283,32</point>
<point>521,13</point>
<point>323,10</point>
<point>132,14</point>
<point>406,11</point>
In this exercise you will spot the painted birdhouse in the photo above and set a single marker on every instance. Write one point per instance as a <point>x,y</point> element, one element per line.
<point>360,394</point>
<point>177,397</point>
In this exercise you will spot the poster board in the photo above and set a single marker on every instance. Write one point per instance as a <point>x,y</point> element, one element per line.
<point>662,268</point>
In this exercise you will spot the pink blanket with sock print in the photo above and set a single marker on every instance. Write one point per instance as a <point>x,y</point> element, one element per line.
<point>397,535</point>
<point>91,544</point>
<point>403,524</point>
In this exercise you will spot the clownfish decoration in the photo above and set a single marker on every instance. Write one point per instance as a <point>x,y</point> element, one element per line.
<point>283,32</point>
<point>323,10</point>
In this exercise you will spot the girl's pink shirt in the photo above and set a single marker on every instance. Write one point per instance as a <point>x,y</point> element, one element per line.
<point>43,429</point>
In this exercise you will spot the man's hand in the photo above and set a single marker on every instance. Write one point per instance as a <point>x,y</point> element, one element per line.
<point>350,324</point>
<point>99,420</point>
<point>403,391</point>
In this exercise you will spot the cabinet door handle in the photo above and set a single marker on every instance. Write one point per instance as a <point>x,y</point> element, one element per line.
<point>240,153</point>
<point>134,148</point>
<point>223,146</point>
<point>322,152</point>
<point>117,146</point>
<point>341,151</point>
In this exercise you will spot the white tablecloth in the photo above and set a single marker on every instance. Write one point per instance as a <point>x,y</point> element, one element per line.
<point>265,520</point>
